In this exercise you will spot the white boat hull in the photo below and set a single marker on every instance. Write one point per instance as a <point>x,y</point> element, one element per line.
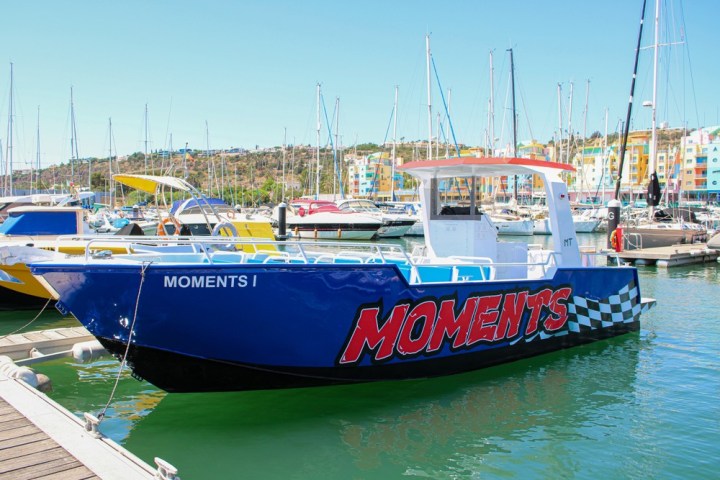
<point>514,227</point>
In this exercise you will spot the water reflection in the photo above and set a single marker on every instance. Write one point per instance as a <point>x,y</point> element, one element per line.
<point>32,320</point>
<point>447,427</point>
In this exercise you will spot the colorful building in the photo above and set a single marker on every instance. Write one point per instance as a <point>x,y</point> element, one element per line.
<point>700,170</point>
<point>371,176</point>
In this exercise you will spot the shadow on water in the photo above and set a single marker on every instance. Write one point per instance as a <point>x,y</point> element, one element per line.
<point>444,427</point>
<point>26,321</point>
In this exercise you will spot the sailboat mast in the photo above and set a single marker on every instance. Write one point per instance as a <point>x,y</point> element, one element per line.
<point>583,180</point>
<point>37,159</point>
<point>605,155</point>
<point>429,97</point>
<point>317,152</point>
<point>146,140</point>
<point>292,168</point>
<point>652,167</point>
<point>394,147</point>
<point>110,173</point>
<point>284,184</point>
<point>653,144</point>
<point>514,118</point>
<point>623,144</point>
<point>338,165</point>
<point>492,107</point>
<point>560,123</point>
<point>73,138</point>
<point>569,129</point>
<point>209,160</point>
<point>9,156</point>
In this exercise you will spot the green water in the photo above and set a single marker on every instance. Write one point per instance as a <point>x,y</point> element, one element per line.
<point>645,405</point>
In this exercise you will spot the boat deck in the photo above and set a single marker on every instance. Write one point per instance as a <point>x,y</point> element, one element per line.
<point>671,256</point>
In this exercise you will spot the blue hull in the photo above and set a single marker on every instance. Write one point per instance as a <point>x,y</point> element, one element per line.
<point>244,327</point>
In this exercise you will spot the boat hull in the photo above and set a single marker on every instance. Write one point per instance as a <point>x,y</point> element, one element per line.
<point>179,373</point>
<point>395,228</point>
<point>639,237</point>
<point>332,232</point>
<point>230,327</point>
<point>19,290</point>
<point>514,227</point>
<point>15,300</point>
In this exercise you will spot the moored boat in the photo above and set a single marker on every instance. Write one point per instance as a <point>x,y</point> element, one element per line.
<point>323,220</point>
<point>394,224</point>
<point>322,313</point>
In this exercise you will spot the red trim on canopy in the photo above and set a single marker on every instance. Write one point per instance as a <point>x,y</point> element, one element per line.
<point>450,162</point>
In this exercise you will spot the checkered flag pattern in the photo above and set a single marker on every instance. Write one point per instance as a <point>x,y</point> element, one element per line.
<point>590,314</point>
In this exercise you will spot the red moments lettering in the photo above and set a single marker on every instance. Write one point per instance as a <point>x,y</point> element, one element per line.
<point>426,327</point>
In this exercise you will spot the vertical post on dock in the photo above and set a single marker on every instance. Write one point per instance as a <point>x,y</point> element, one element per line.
<point>282,224</point>
<point>613,218</point>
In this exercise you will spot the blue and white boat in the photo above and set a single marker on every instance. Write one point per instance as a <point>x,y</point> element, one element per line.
<point>300,314</point>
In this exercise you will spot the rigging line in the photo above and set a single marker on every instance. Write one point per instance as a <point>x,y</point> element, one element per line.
<point>377,170</point>
<point>332,145</point>
<point>29,323</point>
<point>527,117</point>
<point>692,78</point>
<point>387,130</point>
<point>129,340</point>
<point>442,95</point>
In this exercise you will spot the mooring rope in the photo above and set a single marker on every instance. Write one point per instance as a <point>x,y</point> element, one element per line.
<point>30,322</point>
<point>127,347</point>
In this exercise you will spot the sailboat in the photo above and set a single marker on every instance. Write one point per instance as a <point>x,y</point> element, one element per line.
<point>655,229</point>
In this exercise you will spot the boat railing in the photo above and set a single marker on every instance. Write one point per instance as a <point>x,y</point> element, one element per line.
<point>417,270</point>
<point>633,241</point>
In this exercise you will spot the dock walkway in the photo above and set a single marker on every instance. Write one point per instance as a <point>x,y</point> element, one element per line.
<point>674,255</point>
<point>41,439</point>
<point>27,452</point>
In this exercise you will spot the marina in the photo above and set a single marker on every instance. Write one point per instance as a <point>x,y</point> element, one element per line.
<point>646,399</point>
<point>484,293</point>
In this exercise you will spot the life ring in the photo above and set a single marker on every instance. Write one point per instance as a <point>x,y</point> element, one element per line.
<point>613,240</point>
<point>161,231</point>
<point>301,211</point>
<point>231,214</point>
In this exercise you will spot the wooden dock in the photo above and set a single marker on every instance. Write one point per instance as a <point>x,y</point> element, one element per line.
<point>674,255</point>
<point>27,452</point>
<point>20,345</point>
<point>41,439</point>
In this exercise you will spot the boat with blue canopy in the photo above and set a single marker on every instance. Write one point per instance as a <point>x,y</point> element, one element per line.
<point>298,314</point>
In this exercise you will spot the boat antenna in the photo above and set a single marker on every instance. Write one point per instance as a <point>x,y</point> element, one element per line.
<point>626,132</point>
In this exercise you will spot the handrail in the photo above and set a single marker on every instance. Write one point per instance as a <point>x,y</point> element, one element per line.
<point>310,251</point>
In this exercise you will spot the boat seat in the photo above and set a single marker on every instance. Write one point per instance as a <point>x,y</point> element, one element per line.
<point>472,273</point>
<point>431,274</point>
<point>338,258</point>
<point>228,257</point>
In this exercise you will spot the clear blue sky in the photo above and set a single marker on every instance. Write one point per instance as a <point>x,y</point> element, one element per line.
<point>249,68</point>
